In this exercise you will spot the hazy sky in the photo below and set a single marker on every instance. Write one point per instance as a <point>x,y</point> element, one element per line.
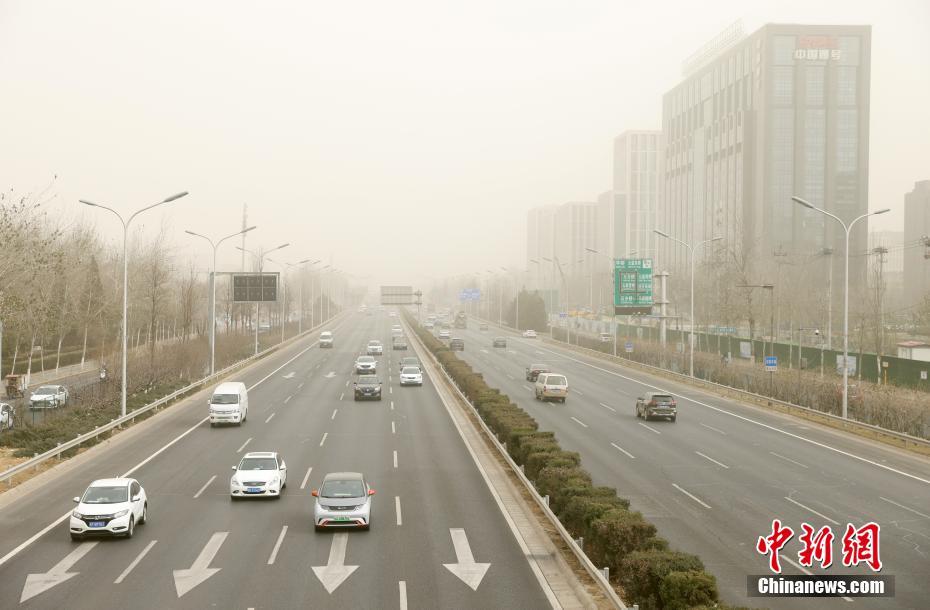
<point>397,137</point>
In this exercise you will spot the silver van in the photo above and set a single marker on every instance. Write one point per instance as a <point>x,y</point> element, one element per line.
<point>229,404</point>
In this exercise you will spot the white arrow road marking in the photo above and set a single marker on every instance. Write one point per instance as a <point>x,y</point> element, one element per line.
<point>465,567</point>
<point>39,583</point>
<point>335,571</point>
<point>134,563</point>
<point>277,545</point>
<point>200,570</point>
<point>289,375</point>
<point>330,375</point>
<point>303,484</point>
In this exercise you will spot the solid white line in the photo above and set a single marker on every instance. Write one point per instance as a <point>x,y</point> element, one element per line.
<point>393,429</point>
<point>904,507</point>
<point>578,421</point>
<point>692,496</point>
<point>288,399</point>
<point>334,414</point>
<point>712,460</point>
<point>205,485</point>
<point>752,421</point>
<point>303,484</point>
<point>277,545</point>
<point>269,418</point>
<point>607,407</point>
<point>712,428</point>
<point>578,393</point>
<point>402,588</point>
<point>808,508</point>
<point>397,508</point>
<point>325,434</point>
<point>787,459</point>
<point>249,440</point>
<point>648,427</point>
<point>395,459</point>
<point>624,451</point>
<point>134,563</point>
<point>527,388</point>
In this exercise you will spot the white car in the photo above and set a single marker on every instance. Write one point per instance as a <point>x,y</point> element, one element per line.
<point>49,396</point>
<point>444,334</point>
<point>344,500</point>
<point>259,473</point>
<point>411,375</point>
<point>428,326</point>
<point>375,348</point>
<point>529,334</point>
<point>109,507</point>
<point>326,339</point>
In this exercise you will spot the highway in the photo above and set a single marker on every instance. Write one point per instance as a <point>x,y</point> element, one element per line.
<point>200,549</point>
<point>713,481</point>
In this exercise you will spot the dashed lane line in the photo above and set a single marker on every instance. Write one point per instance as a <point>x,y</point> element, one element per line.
<point>648,427</point>
<point>323,440</point>
<point>691,495</point>
<point>277,545</point>
<point>239,450</point>
<point>134,563</point>
<point>205,485</point>
<point>303,484</point>
<point>811,510</point>
<point>721,464</point>
<point>623,451</point>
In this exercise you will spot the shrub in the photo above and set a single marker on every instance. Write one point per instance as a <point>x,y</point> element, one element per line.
<point>684,590</point>
<point>619,532</point>
<point>643,572</point>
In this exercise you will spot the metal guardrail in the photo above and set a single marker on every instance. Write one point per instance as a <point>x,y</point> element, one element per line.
<point>8,474</point>
<point>541,502</point>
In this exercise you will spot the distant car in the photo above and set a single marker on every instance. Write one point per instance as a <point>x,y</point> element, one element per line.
<point>606,338</point>
<point>368,387</point>
<point>392,313</point>
<point>399,343</point>
<point>326,339</point>
<point>656,404</point>
<point>343,500</point>
<point>428,326</point>
<point>396,330</point>
<point>409,361</point>
<point>551,386</point>
<point>499,342</point>
<point>456,344</point>
<point>366,364</point>
<point>375,348</point>
<point>259,473</point>
<point>49,397</point>
<point>264,326</point>
<point>529,334</point>
<point>444,334</point>
<point>411,375</point>
<point>483,326</point>
<point>109,507</point>
<point>7,412</point>
<point>533,371</point>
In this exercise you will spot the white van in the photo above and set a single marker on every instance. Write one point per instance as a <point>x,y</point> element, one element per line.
<point>229,404</point>
<point>326,339</point>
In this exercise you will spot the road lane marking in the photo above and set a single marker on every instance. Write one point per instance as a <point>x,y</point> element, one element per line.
<point>249,440</point>
<point>205,485</point>
<point>579,422</point>
<point>787,459</point>
<point>334,414</point>
<point>395,458</point>
<point>809,509</point>
<point>134,563</point>
<point>690,495</point>
<point>803,569</point>
<point>648,427</point>
<point>303,484</point>
<point>269,418</point>
<point>393,429</point>
<point>623,451</point>
<point>527,388</point>
<point>402,589</point>
<point>277,545</point>
<point>341,396</point>
<point>397,509</point>
<point>347,383</point>
<point>712,428</point>
<point>200,570</point>
<point>325,434</point>
<point>904,507</point>
<point>607,407</point>
<point>511,377</point>
<point>390,389</point>
<point>300,385</point>
<point>721,464</point>
<point>578,393</point>
<point>392,405</point>
<point>42,582</point>
<point>288,399</point>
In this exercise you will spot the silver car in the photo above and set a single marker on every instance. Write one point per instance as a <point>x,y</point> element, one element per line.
<point>366,365</point>
<point>344,500</point>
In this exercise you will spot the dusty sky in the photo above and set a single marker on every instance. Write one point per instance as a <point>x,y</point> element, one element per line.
<point>401,140</point>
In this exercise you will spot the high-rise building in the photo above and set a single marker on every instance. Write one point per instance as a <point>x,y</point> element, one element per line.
<point>636,166</point>
<point>559,237</point>
<point>917,243</point>
<point>540,241</point>
<point>756,119</point>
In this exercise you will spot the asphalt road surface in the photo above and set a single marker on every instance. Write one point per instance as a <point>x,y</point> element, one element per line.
<point>432,506</point>
<point>713,481</point>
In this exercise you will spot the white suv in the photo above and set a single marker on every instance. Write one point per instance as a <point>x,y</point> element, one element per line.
<point>551,386</point>
<point>109,507</point>
<point>326,339</point>
<point>259,473</point>
<point>375,348</point>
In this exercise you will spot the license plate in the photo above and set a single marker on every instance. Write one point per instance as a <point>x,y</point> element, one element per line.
<point>96,524</point>
<point>253,490</point>
<point>340,519</point>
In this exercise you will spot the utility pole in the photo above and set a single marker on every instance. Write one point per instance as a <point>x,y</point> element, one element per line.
<point>881,251</point>
<point>829,252</point>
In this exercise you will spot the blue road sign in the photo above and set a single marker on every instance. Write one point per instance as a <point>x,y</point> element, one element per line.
<point>628,347</point>
<point>771,363</point>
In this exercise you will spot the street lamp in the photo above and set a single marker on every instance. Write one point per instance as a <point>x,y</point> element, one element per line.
<point>126,280</point>
<point>213,290</point>
<point>258,305</point>
<point>691,255</point>
<point>848,230</point>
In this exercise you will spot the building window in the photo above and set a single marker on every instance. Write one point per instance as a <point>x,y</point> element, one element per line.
<point>847,140</point>
<point>815,143</point>
<point>782,183</point>
<point>849,50</point>
<point>783,88</point>
<point>783,53</point>
<point>846,86</point>
<point>814,85</point>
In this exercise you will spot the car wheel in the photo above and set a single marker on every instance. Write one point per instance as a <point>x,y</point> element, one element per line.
<point>77,537</point>
<point>365,527</point>
<point>673,418</point>
<point>317,528</point>
<point>213,424</point>
<point>563,400</point>
<point>132,527</point>
<point>145,514</point>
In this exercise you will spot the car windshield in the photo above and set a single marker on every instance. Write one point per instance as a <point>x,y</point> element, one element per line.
<point>556,380</point>
<point>47,389</point>
<point>662,398</point>
<point>225,399</point>
<point>410,362</point>
<point>410,370</point>
<point>366,359</point>
<point>374,343</point>
<point>326,335</point>
<point>538,367</point>
<point>336,488</point>
<point>106,495</point>
<point>367,380</point>
<point>255,463</point>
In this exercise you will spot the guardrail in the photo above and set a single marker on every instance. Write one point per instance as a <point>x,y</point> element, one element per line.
<point>33,462</point>
<point>542,502</point>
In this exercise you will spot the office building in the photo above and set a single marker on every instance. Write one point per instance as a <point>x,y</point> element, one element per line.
<point>636,166</point>
<point>916,259</point>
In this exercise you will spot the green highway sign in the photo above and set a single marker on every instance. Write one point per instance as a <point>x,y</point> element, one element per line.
<point>632,286</point>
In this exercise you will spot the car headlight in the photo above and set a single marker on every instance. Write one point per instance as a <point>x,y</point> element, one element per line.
<point>121,513</point>
<point>275,481</point>
<point>77,515</point>
<point>233,481</point>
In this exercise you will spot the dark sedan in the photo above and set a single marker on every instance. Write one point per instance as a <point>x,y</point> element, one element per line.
<point>368,388</point>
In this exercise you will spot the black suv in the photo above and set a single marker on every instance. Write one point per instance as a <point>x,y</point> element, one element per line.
<point>500,342</point>
<point>457,345</point>
<point>368,387</point>
<point>656,404</point>
<point>533,371</point>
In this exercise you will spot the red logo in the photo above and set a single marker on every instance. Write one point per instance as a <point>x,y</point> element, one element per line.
<point>861,545</point>
<point>770,545</point>
<point>817,546</point>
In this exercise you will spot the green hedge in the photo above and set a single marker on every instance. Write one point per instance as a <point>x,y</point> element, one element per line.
<point>614,536</point>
